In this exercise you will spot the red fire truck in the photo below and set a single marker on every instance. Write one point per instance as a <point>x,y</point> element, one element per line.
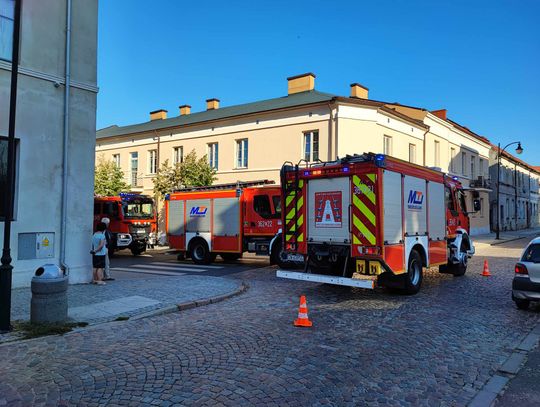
<point>132,220</point>
<point>373,220</point>
<point>227,219</point>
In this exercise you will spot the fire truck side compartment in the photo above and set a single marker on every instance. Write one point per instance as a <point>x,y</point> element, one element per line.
<point>393,228</point>
<point>176,218</point>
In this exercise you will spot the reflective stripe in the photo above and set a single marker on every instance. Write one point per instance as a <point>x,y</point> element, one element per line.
<point>364,230</point>
<point>302,316</point>
<point>364,209</point>
<point>371,177</point>
<point>364,188</point>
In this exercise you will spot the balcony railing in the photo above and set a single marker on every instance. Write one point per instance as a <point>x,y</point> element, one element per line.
<point>481,182</point>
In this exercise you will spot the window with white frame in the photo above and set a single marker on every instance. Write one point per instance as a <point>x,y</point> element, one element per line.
<point>242,153</point>
<point>437,154</point>
<point>311,146</point>
<point>387,145</point>
<point>464,163</point>
<point>481,167</point>
<point>134,169</point>
<point>152,161</point>
<point>178,155</point>
<point>7,15</point>
<point>116,160</point>
<point>452,159</point>
<point>412,153</point>
<point>213,155</point>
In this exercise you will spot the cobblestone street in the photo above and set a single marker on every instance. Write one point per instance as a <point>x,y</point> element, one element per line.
<point>438,347</point>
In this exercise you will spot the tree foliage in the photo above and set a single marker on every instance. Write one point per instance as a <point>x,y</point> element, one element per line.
<point>191,172</point>
<point>108,179</point>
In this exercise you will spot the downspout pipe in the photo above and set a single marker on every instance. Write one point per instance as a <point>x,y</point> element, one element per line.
<point>63,264</point>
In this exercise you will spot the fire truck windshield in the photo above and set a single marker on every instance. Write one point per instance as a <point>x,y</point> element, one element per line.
<point>138,210</point>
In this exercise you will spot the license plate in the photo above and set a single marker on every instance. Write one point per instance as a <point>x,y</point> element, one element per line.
<point>295,257</point>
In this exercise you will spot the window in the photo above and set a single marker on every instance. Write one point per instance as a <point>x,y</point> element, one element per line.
<point>178,155</point>
<point>449,199</point>
<point>134,169</point>
<point>412,153</point>
<point>116,160</point>
<point>462,203</point>
<point>276,199</point>
<point>464,163</point>
<point>311,146</point>
<point>7,15</point>
<point>481,167</point>
<point>387,145</point>
<point>242,153</point>
<point>473,174</point>
<point>452,160</point>
<point>437,154</point>
<point>152,161</point>
<point>97,208</point>
<point>532,254</point>
<point>110,209</point>
<point>4,176</point>
<point>261,205</point>
<point>213,155</point>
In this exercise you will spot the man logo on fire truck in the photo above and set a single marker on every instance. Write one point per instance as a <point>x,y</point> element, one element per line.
<point>198,211</point>
<point>416,198</point>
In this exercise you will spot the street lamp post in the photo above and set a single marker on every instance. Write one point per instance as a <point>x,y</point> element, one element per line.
<point>6,268</point>
<point>519,150</point>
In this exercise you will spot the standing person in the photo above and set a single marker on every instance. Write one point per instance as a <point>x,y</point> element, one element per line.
<point>99,251</point>
<point>108,238</point>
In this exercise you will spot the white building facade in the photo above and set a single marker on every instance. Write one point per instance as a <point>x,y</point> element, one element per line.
<point>55,133</point>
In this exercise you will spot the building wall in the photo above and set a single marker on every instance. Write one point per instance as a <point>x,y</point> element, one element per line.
<point>40,125</point>
<point>518,196</point>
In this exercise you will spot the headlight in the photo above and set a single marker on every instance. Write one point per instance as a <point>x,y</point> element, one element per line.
<point>122,236</point>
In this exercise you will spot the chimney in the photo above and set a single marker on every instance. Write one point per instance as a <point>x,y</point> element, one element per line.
<point>301,83</point>
<point>441,113</point>
<point>359,91</point>
<point>185,109</point>
<point>212,104</point>
<point>160,114</point>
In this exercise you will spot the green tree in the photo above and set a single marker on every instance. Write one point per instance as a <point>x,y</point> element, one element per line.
<point>108,178</point>
<point>192,171</point>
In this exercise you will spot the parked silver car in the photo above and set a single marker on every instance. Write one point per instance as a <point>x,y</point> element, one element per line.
<point>526,283</point>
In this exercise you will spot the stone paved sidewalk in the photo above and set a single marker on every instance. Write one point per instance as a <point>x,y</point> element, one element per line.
<point>488,239</point>
<point>93,304</point>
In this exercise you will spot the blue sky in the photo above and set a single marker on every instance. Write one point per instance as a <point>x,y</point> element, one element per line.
<point>478,59</point>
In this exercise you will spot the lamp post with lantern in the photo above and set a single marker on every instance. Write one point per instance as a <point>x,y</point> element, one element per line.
<point>519,150</point>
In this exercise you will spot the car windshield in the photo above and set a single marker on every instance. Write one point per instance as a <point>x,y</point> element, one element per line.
<point>138,210</point>
<point>532,254</point>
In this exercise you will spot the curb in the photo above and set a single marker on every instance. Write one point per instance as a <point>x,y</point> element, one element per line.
<point>192,304</point>
<point>509,240</point>
<point>507,371</point>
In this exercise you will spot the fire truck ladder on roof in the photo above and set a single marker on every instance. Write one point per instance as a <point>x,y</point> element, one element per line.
<point>232,185</point>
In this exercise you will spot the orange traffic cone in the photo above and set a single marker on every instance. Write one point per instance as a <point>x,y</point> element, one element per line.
<point>486,272</point>
<point>303,319</point>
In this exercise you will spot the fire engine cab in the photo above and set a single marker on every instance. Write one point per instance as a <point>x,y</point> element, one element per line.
<point>373,220</point>
<point>132,220</point>
<point>227,219</point>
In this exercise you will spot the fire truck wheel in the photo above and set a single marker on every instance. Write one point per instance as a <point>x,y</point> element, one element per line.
<point>199,252</point>
<point>457,269</point>
<point>413,278</point>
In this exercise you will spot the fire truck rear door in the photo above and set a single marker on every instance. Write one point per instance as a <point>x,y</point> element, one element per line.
<point>328,210</point>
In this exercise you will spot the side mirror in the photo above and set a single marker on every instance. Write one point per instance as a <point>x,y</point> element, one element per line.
<point>477,205</point>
